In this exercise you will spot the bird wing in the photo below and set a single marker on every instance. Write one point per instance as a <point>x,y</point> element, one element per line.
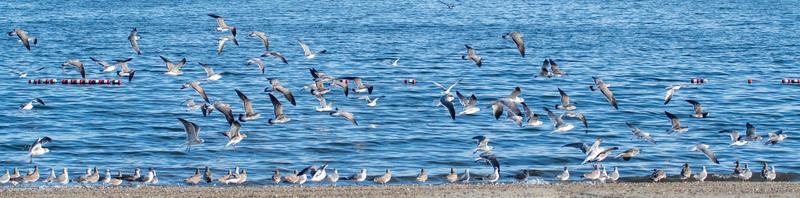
<point>450,107</point>
<point>225,109</point>
<point>276,104</point>
<point>306,49</point>
<point>248,106</point>
<point>676,123</point>
<point>564,97</point>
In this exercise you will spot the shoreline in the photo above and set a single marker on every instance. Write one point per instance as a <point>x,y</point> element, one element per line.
<point>670,189</point>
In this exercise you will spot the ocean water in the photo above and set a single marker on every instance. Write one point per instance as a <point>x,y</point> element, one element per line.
<point>638,47</point>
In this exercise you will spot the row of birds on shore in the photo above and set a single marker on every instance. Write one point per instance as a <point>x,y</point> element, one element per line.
<point>509,104</point>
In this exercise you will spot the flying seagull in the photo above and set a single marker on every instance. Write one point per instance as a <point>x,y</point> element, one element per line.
<point>222,40</point>
<point>77,64</point>
<point>36,148</point>
<point>565,104</point>
<point>517,38</point>
<point>257,61</point>
<point>261,36</point>
<point>698,109</point>
<point>276,86</point>
<point>196,86</point>
<point>249,114</point>
<point>192,133</point>
<point>307,50</point>
<point>707,151</point>
<point>24,37</point>
<point>172,68</point>
<point>471,55</point>
<point>134,38</point>
<point>221,26</point>
<point>676,123</point>
<point>603,87</point>
<point>344,114</point>
<point>278,109</point>
<point>125,70</point>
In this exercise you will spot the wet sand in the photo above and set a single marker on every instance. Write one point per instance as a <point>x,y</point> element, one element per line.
<point>672,189</point>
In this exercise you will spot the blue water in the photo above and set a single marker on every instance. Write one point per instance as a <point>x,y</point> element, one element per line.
<point>638,47</point>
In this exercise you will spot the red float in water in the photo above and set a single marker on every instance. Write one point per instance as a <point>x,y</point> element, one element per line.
<point>412,81</point>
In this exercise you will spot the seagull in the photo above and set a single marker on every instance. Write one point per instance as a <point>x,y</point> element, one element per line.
<point>751,133</point>
<point>344,114</point>
<point>192,133</point>
<point>565,105</point>
<point>372,102</point>
<point>658,175</point>
<point>249,114</point>
<point>464,177</point>
<point>452,177</point>
<point>277,55</point>
<point>228,178</point>
<point>736,140</point>
<point>125,71</point>
<point>698,109</point>
<point>579,116</point>
<point>196,86</point>
<point>210,74</point>
<point>241,177</point>
<point>360,86</point>
<point>225,109</point>
<point>595,174</point>
<point>603,174</point>
<point>543,72</point>
<point>114,181</point>
<point>492,160</point>
<point>746,174</point>
<point>190,105</point>
<point>36,148</point>
<point>514,96</point>
<point>83,178</point>
<point>51,178</point>
<point>234,135</point>
<point>92,178</point>
<point>766,173</point>
<point>702,175</point>
<point>261,36</point>
<point>671,90</point>
<point>5,178</point>
<point>593,153</point>
<point>514,117</point>
<point>517,38</point>
<point>24,74</point>
<point>383,179</point>
<point>221,42</point>
<point>558,123</point>
<point>449,105</point>
<point>564,176</point>
<point>482,144</point>
<point>278,109</point>
<point>172,68</point>
<point>471,55</point>
<point>533,119</point>
<point>133,38</point>
<point>360,176</point>
<point>686,172</point>
<point>470,104</point>
<point>77,64</point>
<point>603,87</point>
<point>775,137</point>
<point>449,5</point>
<point>554,70</point>
<point>63,178</point>
<point>276,86</point>
<point>257,61</point>
<point>395,62</point>
<point>207,175</point>
<point>24,37</point>
<point>640,134</point>
<point>630,153</point>
<point>29,104</point>
<point>149,177</point>
<point>323,105</point>
<point>194,179</point>
<point>106,66</point>
<point>522,175</point>
<point>676,124</point>
<point>276,176</point>
<point>221,26</point>
<point>333,177</point>
<point>320,174</point>
<point>307,51</point>
<point>136,175</point>
<point>421,177</point>
<point>614,175</point>
<point>446,91</point>
<point>707,151</point>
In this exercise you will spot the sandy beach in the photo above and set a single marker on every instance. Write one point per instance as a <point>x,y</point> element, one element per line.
<point>672,189</point>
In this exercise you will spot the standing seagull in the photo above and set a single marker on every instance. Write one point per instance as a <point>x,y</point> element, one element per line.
<point>491,159</point>
<point>707,151</point>
<point>702,175</point>
<point>249,113</point>
<point>421,177</point>
<point>517,38</point>
<point>172,68</point>
<point>360,176</point>
<point>278,109</point>
<point>259,62</point>
<point>603,87</point>
<point>29,104</point>
<point>221,26</point>
<point>686,172</point>
<point>77,64</point>
<point>63,178</point>
<point>344,114</point>
<point>564,176</point>
<point>698,109</point>
<point>263,37</point>
<point>37,149</point>
<point>383,179</point>
<point>565,105</point>
<point>133,38</point>
<point>24,37</point>
<point>307,51</point>
<point>658,175</point>
<point>471,55</point>
<point>192,134</point>
<point>676,124</point>
<point>333,177</point>
<point>222,40</point>
<point>194,179</point>
<point>234,135</point>
<point>196,86</point>
<point>276,86</point>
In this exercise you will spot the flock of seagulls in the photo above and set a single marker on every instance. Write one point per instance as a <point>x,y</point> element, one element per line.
<point>321,84</point>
